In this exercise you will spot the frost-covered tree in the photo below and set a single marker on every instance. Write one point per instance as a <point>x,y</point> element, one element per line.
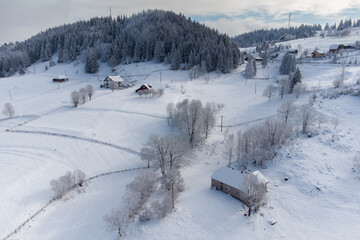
<point>286,111</point>
<point>75,98</point>
<point>249,70</point>
<point>299,89</point>
<point>229,148</point>
<point>270,91</point>
<point>8,110</point>
<point>90,90</point>
<point>288,64</point>
<point>284,85</point>
<point>306,116</point>
<point>256,193</point>
<point>117,221</point>
<point>91,64</point>
<point>83,94</point>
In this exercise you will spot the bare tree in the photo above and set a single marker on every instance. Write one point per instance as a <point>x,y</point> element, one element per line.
<point>337,83</point>
<point>75,98</point>
<point>321,118</point>
<point>67,182</point>
<point>117,221</point>
<point>284,85</point>
<point>83,94</point>
<point>8,110</point>
<point>299,89</point>
<point>269,91</point>
<point>178,151</point>
<point>209,117</point>
<point>306,115</point>
<point>169,111</point>
<point>229,148</point>
<point>90,91</point>
<point>256,193</point>
<point>144,184</point>
<point>287,110</point>
<point>335,122</point>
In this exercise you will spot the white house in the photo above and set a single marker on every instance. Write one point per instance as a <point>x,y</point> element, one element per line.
<point>116,80</point>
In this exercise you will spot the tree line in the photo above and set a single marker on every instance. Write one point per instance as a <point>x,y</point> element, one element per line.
<point>162,36</point>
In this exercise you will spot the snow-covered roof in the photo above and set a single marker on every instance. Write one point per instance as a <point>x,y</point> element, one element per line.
<point>62,77</point>
<point>334,46</point>
<point>235,178</point>
<point>292,50</point>
<point>116,78</point>
<point>230,177</point>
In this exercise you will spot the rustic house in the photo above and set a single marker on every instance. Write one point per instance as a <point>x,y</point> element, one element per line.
<point>317,54</point>
<point>232,182</point>
<point>61,78</point>
<point>144,87</point>
<point>116,81</point>
<point>335,48</point>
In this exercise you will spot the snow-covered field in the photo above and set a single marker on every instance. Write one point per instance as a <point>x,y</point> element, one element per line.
<point>321,200</point>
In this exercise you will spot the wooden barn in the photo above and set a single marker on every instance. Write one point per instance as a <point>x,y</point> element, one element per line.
<point>317,54</point>
<point>144,87</point>
<point>61,78</point>
<point>232,182</point>
<point>335,48</point>
<point>109,80</point>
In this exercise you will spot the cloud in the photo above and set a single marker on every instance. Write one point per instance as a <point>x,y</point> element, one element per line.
<point>21,19</point>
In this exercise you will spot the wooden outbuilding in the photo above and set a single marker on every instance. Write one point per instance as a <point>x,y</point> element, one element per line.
<point>317,54</point>
<point>144,87</point>
<point>61,78</point>
<point>233,182</point>
<point>335,48</point>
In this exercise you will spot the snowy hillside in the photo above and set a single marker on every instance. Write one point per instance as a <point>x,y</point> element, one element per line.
<point>48,136</point>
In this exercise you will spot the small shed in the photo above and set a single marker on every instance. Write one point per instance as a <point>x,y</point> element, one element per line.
<point>233,182</point>
<point>292,51</point>
<point>109,80</point>
<point>317,54</point>
<point>61,78</point>
<point>144,87</point>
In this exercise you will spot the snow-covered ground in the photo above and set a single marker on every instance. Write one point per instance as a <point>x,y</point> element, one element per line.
<point>321,200</point>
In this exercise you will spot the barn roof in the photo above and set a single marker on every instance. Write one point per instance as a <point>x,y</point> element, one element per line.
<point>116,78</point>
<point>334,46</point>
<point>230,177</point>
<point>236,179</point>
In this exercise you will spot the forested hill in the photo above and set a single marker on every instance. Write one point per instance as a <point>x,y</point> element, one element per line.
<point>258,36</point>
<point>157,35</point>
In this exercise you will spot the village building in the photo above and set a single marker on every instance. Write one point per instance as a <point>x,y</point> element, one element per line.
<point>292,51</point>
<point>335,48</point>
<point>317,54</point>
<point>144,87</point>
<point>61,78</point>
<point>232,182</point>
<point>116,81</point>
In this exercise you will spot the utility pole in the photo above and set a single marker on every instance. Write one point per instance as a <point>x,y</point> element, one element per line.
<point>289,20</point>
<point>255,87</point>
<point>221,125</point>
<point>172,194</point>
<point>110,11</point>
<point>10,96</point>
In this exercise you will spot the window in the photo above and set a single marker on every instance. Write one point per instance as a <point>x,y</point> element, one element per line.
<point>227,188</point>
<point>237,192</point>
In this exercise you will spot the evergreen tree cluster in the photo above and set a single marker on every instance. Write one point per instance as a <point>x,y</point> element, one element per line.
<point>157,35</point>
<point>288,64</point>
<point>274,34</point>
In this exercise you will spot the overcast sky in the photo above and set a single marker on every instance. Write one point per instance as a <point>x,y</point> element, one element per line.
<point>21,19</point>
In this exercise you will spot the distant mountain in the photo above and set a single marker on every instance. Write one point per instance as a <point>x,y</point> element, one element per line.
<point>157,35</point>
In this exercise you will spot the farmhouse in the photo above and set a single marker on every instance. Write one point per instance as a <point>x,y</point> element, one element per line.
<point>61,78</point>
<point>335,48</point>
<point>144,87</point>
<point>233,182</point>
<point>317,54</point>
<point>109,80</point>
